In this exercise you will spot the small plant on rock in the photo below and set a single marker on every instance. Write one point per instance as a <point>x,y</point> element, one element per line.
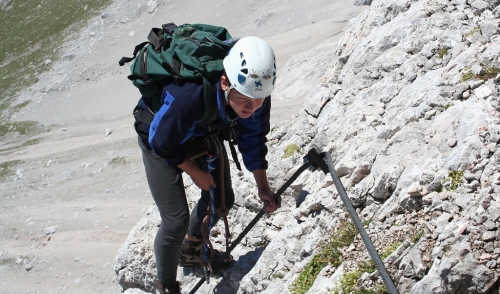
<point>417,236</point>
<point>330,254</point>
<point>455,178</point>
<point>488,72</point>
<point>290,150</point>
<point>442,52</point>
<point>349,280</point>
<point>448,106</point>
<point>473,31</point>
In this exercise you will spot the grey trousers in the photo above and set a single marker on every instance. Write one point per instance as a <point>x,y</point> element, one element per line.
<point>167,188</point>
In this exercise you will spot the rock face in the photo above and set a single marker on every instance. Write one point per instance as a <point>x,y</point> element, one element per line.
<point>410,111</point>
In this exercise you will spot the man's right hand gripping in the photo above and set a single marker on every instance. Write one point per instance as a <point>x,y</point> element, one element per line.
<point>202,179</point>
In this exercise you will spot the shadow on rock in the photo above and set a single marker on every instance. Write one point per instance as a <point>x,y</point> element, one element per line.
<point>232,276</point>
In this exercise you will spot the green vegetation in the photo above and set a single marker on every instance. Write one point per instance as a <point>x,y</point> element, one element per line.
<point>22,127</point>
<point>7,168</point>
<point>474,30</point>
<point>7,261</point>
<point>348,284</point>
<point>467,74</point>
<point>442,52</point>
<point>389,250</point>
<point>330,254</point>
<point>290,150</point>
<point>417,236</point>
<point>455,178</point>
<point>33,32</point>
<point>489,73</point>
<point>348,281</point>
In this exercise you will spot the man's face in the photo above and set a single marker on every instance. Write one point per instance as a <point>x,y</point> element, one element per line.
<point>243,106</point>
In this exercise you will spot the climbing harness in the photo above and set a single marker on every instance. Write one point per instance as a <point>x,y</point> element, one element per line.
<point>312,161</point>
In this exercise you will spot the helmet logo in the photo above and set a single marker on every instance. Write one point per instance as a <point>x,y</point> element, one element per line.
<point>258,86</point>
<point>241,78</point>
<point>265,76</point>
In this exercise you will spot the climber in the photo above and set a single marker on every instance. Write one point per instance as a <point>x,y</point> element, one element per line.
<point>175,141</point>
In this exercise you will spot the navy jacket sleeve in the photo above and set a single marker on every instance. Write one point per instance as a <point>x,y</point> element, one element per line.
<point>252,137</point>
<point>175,122</point>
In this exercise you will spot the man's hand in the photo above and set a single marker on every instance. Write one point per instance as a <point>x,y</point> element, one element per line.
<point>265,192</point>
<point>267,196</point>
<point>202,179</point>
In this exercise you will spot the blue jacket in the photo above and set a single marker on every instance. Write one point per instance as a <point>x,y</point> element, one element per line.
<point>176,122</point>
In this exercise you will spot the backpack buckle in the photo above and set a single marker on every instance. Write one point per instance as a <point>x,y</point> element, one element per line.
<point>169,27</point>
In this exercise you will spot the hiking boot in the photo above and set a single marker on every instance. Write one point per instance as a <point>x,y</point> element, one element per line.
<point>171,290</point>
<point>191,256</point>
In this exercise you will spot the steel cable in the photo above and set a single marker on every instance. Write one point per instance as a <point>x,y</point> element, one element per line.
<point>389,284</point>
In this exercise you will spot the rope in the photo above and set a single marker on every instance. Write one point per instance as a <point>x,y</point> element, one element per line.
<point>222,211</point>
<point>207,223</point>
<point>208,220</point>
<point>389,284</point>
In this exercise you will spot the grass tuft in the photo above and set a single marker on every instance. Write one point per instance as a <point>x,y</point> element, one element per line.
<point>330,254</point>
<point>442,52</point>
<point>455,178</point>
<point>349,280</point>
<point>488,73</point>
<point>417,236</point>
<point>473,31</point>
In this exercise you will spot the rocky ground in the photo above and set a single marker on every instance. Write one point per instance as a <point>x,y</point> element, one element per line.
<point>410,111</point>
<point>72,192</point>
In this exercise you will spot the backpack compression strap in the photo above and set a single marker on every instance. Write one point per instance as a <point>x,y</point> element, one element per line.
<point>138,48</point>
<point>156,37</point>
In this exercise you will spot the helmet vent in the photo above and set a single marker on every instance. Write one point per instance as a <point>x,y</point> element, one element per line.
<point>241,78</point>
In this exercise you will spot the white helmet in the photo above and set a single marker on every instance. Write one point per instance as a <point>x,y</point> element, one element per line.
<point>251,67</point>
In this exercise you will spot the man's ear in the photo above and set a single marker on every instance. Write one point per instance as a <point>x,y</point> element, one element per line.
<point>224,83</point>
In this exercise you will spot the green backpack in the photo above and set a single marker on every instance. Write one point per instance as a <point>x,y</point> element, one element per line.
<point>189,52</point>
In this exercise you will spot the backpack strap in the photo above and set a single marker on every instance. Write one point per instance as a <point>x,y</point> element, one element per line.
<point>143,65</point>
<point>143,115</point>
<point>156,38</point>
<point>175,69</point>
<point>217,134</point>
<point>234,155</point>
<point>138,48</point>
<point>210,97</point>
<point>169,28</point>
